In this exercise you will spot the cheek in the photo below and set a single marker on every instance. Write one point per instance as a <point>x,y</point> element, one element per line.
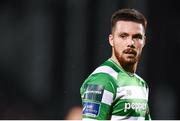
<point>139,46</point>
<point>140,49</point>
<point>119,43</point>
<point>141,43</point>
<point>118,46</point>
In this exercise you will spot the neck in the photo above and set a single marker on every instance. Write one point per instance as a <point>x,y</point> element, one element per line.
<point>131,68</point>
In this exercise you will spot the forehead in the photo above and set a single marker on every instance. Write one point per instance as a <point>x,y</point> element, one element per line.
<point>129,27</point>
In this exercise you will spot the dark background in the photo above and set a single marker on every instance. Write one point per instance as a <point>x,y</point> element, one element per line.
<point>48,47</point>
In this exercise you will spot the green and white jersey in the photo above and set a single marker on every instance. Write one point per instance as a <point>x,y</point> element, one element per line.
<point>110,93</point>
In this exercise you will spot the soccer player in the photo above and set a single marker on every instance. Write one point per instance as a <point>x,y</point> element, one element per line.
<point>114,91</point>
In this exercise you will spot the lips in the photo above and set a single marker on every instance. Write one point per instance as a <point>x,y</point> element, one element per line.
<point>130,51</point>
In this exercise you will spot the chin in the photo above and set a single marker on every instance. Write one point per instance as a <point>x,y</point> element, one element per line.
<point>130,61</point>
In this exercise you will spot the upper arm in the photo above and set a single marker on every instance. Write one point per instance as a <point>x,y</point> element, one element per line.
<point>97,95</point>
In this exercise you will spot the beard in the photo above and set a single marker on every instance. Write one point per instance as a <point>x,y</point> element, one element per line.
<point>127,58</point>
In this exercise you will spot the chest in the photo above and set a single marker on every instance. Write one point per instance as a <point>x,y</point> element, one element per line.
<point>131,97</point>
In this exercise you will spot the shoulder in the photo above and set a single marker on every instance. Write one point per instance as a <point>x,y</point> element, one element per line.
<point>100,79</point>
<point>137,76</point>
<point>106,70</point>
<point>142,80</point>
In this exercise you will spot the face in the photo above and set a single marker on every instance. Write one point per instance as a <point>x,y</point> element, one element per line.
<point>127,40</point>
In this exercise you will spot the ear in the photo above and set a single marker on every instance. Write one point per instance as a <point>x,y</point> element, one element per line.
<point>111,42</point>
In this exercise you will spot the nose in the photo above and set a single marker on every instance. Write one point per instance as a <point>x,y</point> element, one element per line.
<point>131,42</point>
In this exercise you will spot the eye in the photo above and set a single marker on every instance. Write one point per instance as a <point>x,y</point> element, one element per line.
<point>138,37</point>
<point>123,36</point>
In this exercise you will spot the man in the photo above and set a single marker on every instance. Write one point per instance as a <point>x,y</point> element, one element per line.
<point>113,91</point>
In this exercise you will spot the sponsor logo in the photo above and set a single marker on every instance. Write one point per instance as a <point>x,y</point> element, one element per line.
<point>94,92</point>
<point>134,106</point>
<point>91,109</point>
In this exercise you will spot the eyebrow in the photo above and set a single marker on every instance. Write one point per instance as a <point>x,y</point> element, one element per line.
<point>124,33</point>
<point>138,36</point>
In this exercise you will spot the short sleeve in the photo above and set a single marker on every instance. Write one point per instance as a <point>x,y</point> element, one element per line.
<point>97,94</point>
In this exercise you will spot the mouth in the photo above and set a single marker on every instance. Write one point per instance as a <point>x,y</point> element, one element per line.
<point>130,52</point>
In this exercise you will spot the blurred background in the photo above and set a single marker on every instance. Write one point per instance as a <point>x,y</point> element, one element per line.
<point>49,47</point>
